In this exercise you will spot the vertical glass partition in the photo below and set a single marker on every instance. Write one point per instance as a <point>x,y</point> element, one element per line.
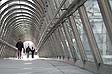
<point>110,2</point>
<point>100,31</point>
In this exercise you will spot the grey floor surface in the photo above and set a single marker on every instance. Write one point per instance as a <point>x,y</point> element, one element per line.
<point>38,66</point>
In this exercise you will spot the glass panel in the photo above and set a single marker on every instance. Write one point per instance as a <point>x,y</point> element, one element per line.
<point>110,1</point>
<point>66,41</point>
<point>99,30</point>
<point>83,36</point>
<point>64,45</point>
<point>71,36</point>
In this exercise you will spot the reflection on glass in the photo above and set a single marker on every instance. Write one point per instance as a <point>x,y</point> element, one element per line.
<point>110,1</point>
<point>73,41</point>
<point>99,30</point>
<point>83,36</point>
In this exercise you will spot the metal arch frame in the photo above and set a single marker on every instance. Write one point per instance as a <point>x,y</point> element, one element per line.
<point>12,24</point>
<point>16,0</point>
<point>18,30</point>
<point>9,1</point>
<point>12,18</point>
<point>9,33</point>
<point>22,27</point>
<point>42,6</point>
<point>21,23</point>
<point>22,16</point>
<point>17,22</point>
<point>8,8</point>
<point>20,13</point>
<point>7,16</point>
<point>23,4</point>
<point>21,8</point>
<point>18,17</point>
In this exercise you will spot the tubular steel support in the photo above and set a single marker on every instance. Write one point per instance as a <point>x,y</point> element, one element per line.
<point>90,35</point>
<point>56,24</point>
<point>107,15</point>
<point>77,38</point>
<point>4,42</point>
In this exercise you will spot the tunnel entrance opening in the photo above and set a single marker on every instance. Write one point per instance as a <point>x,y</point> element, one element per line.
<point>31,45</point>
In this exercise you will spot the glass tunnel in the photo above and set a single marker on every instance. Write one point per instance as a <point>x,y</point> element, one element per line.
<point>78,32</point>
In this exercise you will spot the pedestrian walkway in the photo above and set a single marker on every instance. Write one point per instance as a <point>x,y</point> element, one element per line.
<point>38,66</point>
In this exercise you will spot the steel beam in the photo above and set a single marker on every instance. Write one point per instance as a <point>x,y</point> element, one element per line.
<point>107,16</point>
<point>90,35</point>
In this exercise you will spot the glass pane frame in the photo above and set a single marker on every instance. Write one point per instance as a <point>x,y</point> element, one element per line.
<point>83,37</point>
<point>99,30</point>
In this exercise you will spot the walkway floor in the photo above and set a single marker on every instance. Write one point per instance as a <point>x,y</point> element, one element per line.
<point>38,66</point>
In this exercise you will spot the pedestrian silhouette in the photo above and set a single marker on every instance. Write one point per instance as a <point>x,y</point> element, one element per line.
<point>32,50</point>
<point>27,51</point>
<point>19,45</point>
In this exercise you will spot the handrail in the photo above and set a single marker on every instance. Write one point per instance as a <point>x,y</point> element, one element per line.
<point>6,43</point>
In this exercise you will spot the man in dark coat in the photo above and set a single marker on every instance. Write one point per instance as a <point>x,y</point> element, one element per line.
<point>19,45</point>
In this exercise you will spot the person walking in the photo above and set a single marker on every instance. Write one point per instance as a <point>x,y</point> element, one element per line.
<point>33,51</point>
<point>19,45</point>
<point>27,51</point>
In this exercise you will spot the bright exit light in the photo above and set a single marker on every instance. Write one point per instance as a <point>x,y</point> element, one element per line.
<point>29,43</point>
